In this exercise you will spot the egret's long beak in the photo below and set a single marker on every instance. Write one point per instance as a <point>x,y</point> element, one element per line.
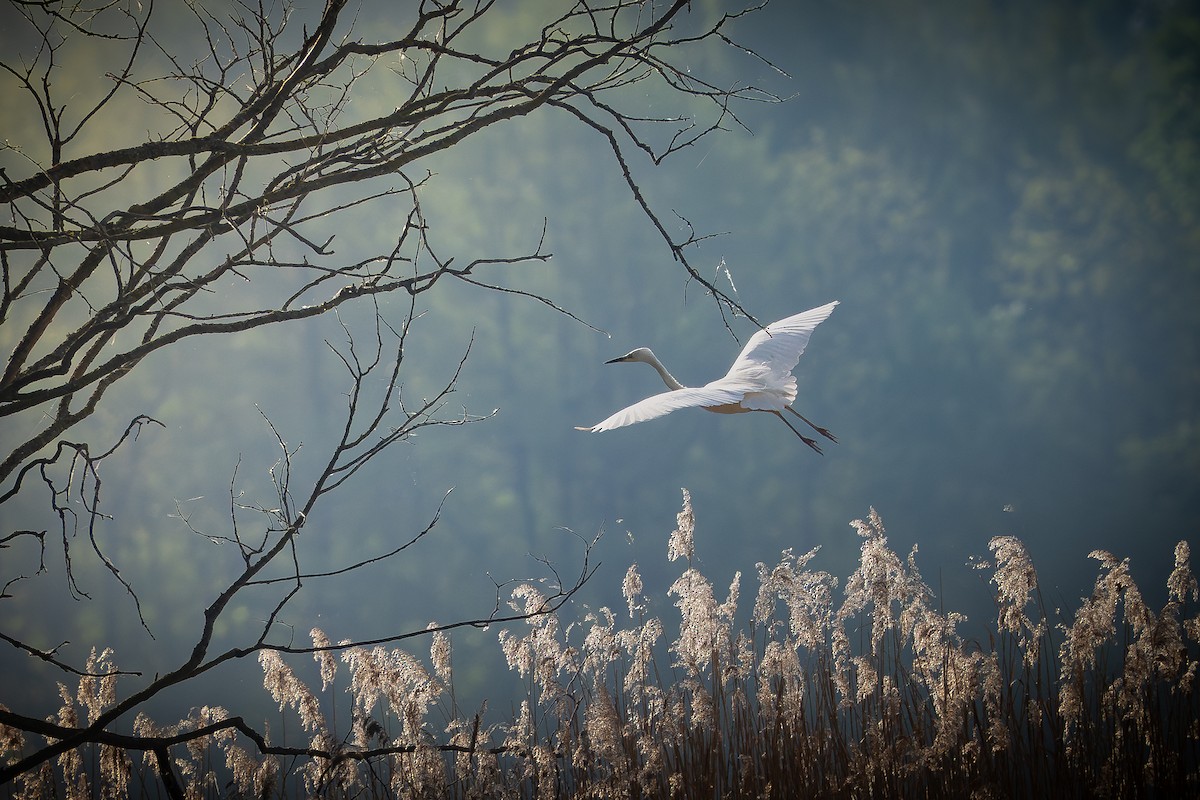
<point>619,360</point>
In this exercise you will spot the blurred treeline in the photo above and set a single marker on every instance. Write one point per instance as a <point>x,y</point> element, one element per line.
<point>1003,196</point>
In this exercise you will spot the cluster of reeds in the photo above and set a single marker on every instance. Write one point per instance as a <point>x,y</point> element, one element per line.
<point>868,690</point>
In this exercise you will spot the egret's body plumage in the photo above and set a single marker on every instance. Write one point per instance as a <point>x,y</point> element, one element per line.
<point>760,379</point>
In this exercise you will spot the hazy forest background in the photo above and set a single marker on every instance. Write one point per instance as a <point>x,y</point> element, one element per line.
<point>1004,198</point>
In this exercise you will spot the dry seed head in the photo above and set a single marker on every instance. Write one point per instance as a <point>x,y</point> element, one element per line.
<point>604,726</point>
<point>639,645</point>
<point>600,645</point>
<point>440,656</point>
<point>324,657</point>
<point>288,690</point>
<point>631,589</point>
<point>1015,579</point>
<point>704,625</point>
<point>98,689</point>
<point>1182,583</point>
<point>682,541</point>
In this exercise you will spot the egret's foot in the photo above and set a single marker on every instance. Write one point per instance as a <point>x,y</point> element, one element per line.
<point>823,431</point>
<point>811,443</point>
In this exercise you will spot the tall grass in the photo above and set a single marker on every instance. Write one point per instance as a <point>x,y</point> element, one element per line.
<point>860,690</point>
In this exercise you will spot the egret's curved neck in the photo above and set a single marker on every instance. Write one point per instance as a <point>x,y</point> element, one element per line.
<point>667,377</point>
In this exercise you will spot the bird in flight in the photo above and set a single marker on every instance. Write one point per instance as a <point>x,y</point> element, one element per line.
<point>760,379</point>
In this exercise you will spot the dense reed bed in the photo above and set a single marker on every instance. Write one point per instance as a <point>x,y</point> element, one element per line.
<point>861,688</point>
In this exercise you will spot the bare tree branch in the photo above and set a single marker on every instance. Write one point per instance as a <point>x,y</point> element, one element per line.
<point>254,154</point>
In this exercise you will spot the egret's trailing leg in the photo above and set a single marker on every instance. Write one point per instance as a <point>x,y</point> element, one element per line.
<point>810,442</point>
<point>816,428</point>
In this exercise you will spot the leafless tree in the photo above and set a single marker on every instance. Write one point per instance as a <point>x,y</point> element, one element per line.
<point>111,254</point>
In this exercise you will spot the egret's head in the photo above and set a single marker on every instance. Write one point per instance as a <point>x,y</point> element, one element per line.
<point>641,354</point>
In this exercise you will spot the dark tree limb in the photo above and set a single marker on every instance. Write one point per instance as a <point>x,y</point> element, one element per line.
<point>111,255</point>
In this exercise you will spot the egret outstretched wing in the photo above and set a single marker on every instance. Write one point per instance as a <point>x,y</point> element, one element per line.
<point>780,345</point>
<point>661,404</point>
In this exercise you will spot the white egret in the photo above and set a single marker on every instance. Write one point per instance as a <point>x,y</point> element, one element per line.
<point>760,379</point>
